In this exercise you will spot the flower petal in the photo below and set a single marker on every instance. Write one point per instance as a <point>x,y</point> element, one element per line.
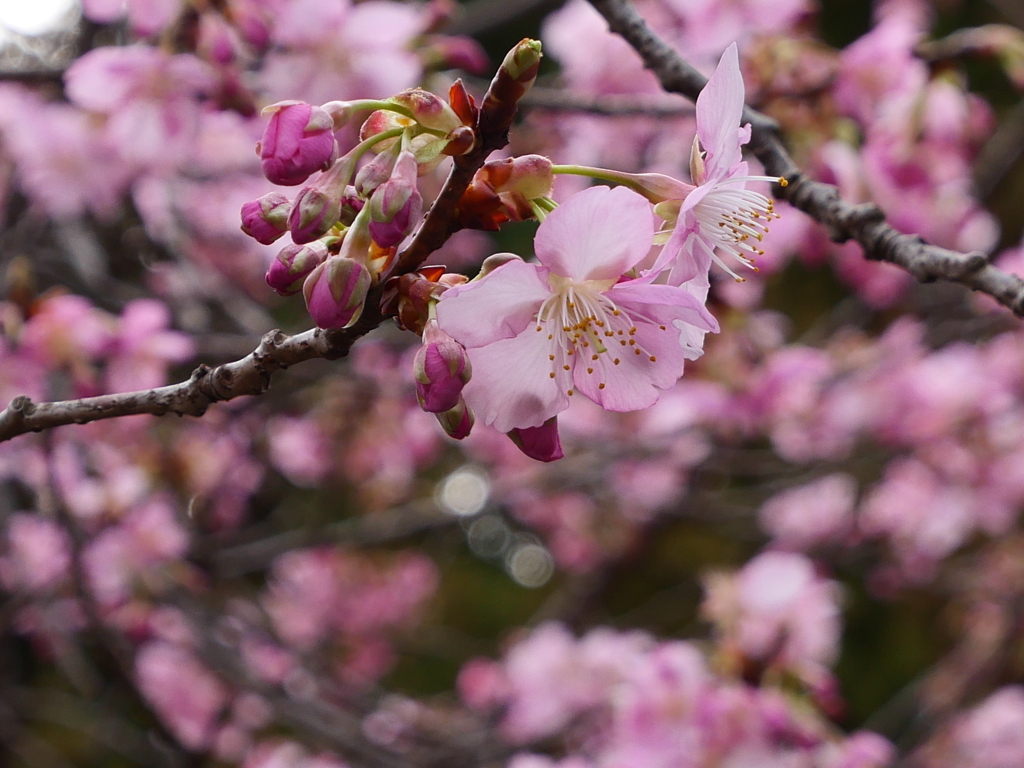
<point>498,306</point>
<point>631,380</point>
<point>693,263</point>
<point>652,358</point>
<point>512,385</point>
<point>597,234</point>
<point>662,304</point>
<point>719,111</point>
<point>678,252</point>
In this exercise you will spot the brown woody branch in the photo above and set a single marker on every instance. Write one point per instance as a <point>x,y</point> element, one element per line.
<point>251,375</point>
<point>864,223</point>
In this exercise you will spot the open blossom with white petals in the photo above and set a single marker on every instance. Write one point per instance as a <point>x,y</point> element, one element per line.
<point>537,333</point>
<point>721,216</point>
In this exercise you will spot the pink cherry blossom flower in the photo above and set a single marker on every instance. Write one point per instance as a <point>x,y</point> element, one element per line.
<point>777,608</point>
<point>536,333</point>
<point>721,213</point>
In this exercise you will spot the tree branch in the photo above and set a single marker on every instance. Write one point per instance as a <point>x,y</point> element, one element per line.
<point>251,375</point>
<point>864,223</point>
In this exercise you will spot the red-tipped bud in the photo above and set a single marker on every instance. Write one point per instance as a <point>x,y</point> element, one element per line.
<point>381,121</point>
<point>530,176</point>
<point>396,204</point>
<point>441,369</point>
<point>457,422</point>
<point>541,443</point>
<point>463,103</point>
<point>427,109</point>
<point>313,214</point>
<point>408,297</point>
<point>298,141</point>
<point>335,292</point>
<point>293,264</point>
<point>266,219</point>
<point>523,62</point>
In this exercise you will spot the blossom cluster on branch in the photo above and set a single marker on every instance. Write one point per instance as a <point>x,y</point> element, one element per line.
<point>646,448</point>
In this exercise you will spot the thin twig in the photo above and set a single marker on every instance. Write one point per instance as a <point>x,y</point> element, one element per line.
<point>864,223</point>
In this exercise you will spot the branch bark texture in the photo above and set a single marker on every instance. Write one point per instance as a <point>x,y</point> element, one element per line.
<point>251,374</point>
<point>864,223</point>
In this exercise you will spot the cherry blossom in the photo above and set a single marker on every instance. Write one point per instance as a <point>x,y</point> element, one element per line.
<point>721,213</point>
<point>537,333</point>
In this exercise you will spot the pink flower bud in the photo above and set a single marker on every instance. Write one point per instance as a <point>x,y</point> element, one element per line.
<point>293,264</point>
<point>298,141</point>
<point>313,214</point>
<point>441,369</point>
<point>396,204</point>
<point>266,219</point>
<point>529,175</point>
<point>523,62</point>
<point>427,109</point>
<point>380,121</point>
<point>335,292</point>
<point>375,172</point>
<point>458,421</point>
<point>541,443</point>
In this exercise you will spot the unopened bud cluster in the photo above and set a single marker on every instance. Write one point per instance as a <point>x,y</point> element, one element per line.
<point>601,314</point>
<point>346,221</point>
